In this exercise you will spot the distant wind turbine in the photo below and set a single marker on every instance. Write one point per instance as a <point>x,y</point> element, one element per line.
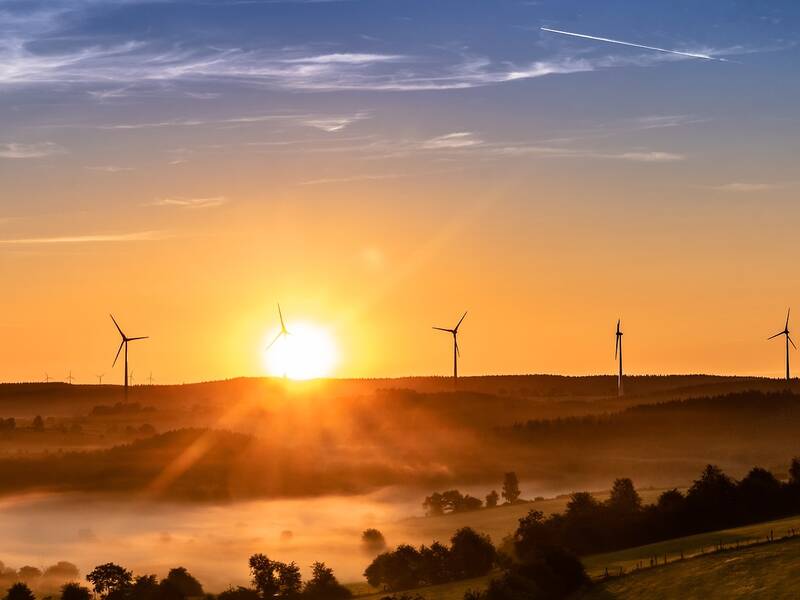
<point>150,379</point>
<point>124,342</point>
<point>70,378</point>
<point>130,375</point>
<point>283,332</point>
<point>46,378</point>
<point>618,352</point>
<point>788,341</point>
<point>456,351</point>
<point>100,379</point>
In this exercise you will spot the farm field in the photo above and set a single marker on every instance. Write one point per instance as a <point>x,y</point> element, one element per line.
<point>760,571</point>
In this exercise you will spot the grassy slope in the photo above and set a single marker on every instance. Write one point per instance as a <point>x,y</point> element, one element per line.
<point>767,567</point>
<point>762,571</point>
<point>689,545</point>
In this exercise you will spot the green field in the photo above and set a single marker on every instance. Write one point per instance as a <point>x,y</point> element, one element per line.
<point>759,571</point>
<point>762,571</point>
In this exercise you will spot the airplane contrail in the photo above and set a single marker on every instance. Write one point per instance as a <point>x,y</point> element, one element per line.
<point>610,41</point>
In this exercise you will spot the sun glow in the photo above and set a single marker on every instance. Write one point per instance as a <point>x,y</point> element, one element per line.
<point>308,351</point>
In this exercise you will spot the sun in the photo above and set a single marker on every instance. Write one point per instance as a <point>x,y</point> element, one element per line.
<point>307,352</point>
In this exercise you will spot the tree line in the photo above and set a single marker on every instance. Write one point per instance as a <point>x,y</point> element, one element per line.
<point>713,501</point>
<point>453,501</point>
<point>270,579</point>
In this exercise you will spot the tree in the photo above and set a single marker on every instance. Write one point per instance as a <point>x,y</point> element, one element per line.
<point>275,579</point>
<point>38,423</point>
<point>145,587</point>
<point>471,554</point>
<point>264,576</point>
<point>794,472</point>
<point>75,591</point>
<point>434,505</point>
<point>435,564</point>
<point>373,540</point>
<point>239,593</point>
<point>624,498</point>
<point>109,578</point>
<point>511,490</point>
<point>491,499</point>
<point>19,591</point>
<point>398,570</point>
<point>184,582</point>
<point>323,585</point>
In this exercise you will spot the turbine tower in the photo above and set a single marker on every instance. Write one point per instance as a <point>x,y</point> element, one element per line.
<point>456,351</point>
<point>618,352</point>
<point>124,342</point>
<point>283,332</point>
<point>100,379</point>
<point>788,341</point>
<point>70,378</point>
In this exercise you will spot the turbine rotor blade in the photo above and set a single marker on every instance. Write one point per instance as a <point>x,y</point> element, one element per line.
<point>459,321</point>
<point>791,342</point>
<point>117,325</point>
<point>787,319</point>
<point>121,344</point>
<point>272,343</point>
<point>616,348</point>
<point>144,337</point>
<point>280,316</point>
<point>776,335</point>
<point>458,351</point>
<point>443,329</point>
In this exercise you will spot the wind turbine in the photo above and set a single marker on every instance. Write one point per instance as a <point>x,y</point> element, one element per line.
<point>456,351</point>
<point>100,379</point>
<point>70,378</point>
<point>124,342</point>
<point>283,332</point>
<point>46,378</point>
<point>788,341</point>
<point>130,376</point>
<point>150,379</point>
<point>618,352</point>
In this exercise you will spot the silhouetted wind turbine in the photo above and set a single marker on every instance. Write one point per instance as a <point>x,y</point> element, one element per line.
<point>618,352</point>
<point>46,378</point>
<point>788,341</point>
<point>100,379</point>
<point>70,378</point>
<point>283,332</point>
<point>131,376</point>
<point>456,351</point>
<point>150,379</point>
<point>124,342</point>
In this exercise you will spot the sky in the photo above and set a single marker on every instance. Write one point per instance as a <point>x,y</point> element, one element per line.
<point>380,166</point>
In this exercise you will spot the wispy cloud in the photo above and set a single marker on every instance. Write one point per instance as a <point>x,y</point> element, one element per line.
<point>192,203</point>
<point>139,236</point>
<point>459,139</point>
<point>337,123</point>
<point>35,150</point>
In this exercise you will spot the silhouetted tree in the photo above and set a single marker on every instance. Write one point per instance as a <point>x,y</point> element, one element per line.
<point>239,593</point>
<point>433,505</point>
<point>323,585</point>
<point>19,591</point>
<point>275,579</point>
<point>794,472</point>
<point>146,587</point>
<point>435,564</point>
<point>624,498</point>
<point>109,578</point>
<point>184,582</point>
<point>373,540</point>
<point>511,491</point>
<point>711,500</point>
<point>75,591</point>
<point>491,499</point>
<point>471,554</point>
